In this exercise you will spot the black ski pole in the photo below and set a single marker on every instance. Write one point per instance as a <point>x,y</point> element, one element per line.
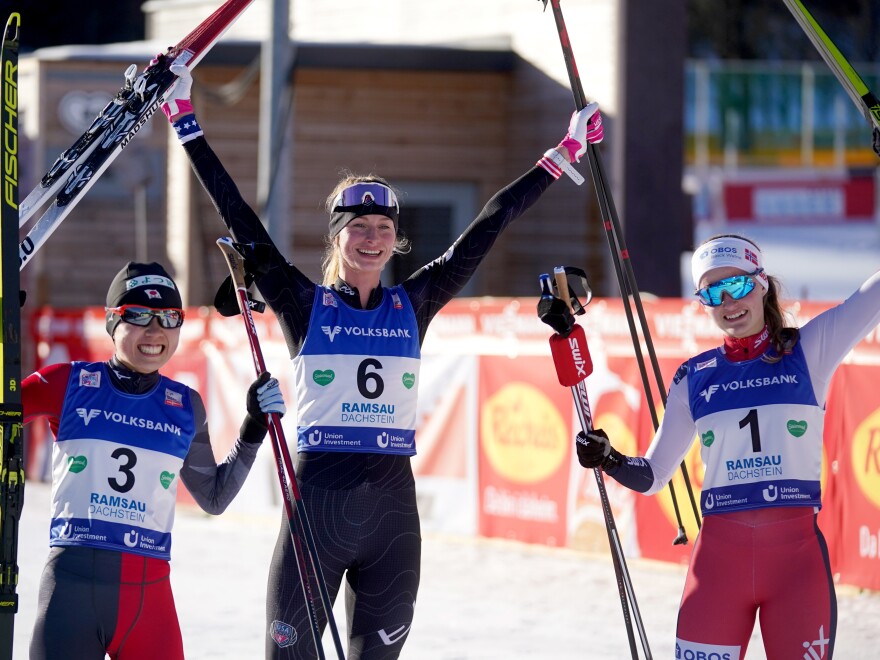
<point>298,521</point>
<point>623,267</point>
<point>11,434</point>
<point>571,357</point>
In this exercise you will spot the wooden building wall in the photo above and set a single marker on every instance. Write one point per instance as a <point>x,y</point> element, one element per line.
<point>479,126</point>
<point>75,266</point>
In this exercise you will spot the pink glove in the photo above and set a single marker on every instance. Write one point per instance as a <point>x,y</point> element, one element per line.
<point>585,127</point>
<point>177,101</point>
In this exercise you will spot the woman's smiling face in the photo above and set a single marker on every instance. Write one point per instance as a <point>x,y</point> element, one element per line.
<point>366,244</point>
<point>737,318</point>
<point>145,348</point>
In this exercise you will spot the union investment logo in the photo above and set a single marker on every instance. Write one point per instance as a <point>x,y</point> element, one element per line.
<point>331,331</point>
<point>87,414</point>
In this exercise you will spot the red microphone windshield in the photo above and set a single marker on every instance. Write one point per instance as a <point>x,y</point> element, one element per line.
<point>571,355</point>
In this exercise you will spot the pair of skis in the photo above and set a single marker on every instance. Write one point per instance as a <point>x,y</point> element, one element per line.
<point>78,167</point>
<point>66,182</point>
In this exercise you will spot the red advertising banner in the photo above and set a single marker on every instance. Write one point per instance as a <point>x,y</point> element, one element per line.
<point>851,503</point>
<point>525,450</point>
<point>658,525</point>
<point>813,200</point>
<point>495,430</point>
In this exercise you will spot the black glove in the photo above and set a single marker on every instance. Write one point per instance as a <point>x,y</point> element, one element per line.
<point>594,451</point>
<point>555,313</point>
<point>263,397</point>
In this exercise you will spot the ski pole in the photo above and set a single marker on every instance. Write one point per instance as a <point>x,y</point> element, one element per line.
<point>571,357</point>
<point>298,521</point>
<point>623,267</point>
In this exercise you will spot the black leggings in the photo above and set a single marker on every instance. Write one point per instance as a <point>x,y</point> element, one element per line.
<point>370,534</point>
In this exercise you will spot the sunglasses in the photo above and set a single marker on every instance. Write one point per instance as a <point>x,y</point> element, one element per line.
<point>366,194</point>
<point>136,315</point>
<point>737,287</point>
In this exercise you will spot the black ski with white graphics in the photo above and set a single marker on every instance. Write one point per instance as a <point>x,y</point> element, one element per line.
<point>11,437</point>
<point>78,168</point>
<point>77,152</point>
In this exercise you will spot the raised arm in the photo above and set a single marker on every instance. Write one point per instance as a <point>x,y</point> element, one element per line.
<point>436,283</point>
<point>284,287</point>
<point>828,338</point>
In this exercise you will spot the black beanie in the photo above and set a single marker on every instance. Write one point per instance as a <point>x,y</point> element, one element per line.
<point>148,285</point>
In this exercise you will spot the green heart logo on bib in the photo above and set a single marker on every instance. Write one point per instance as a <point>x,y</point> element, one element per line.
<point>323,378</point>
<point>77,464</point>
<point>707,438</point>
<point>408,380</point>
<point>797,427</point>
<point>165,479</point>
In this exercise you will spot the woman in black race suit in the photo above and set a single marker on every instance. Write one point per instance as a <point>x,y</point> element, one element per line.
<point>355,349</point>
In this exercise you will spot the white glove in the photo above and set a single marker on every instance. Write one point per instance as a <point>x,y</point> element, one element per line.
<point>263,397</point>
<point>177,101</point>
<point>585,127</point>
<point>268,395</point>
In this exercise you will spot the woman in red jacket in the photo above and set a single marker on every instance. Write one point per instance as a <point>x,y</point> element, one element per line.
<point>125,437</point>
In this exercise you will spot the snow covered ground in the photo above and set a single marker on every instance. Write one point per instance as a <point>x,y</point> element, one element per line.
<point>479,599</point>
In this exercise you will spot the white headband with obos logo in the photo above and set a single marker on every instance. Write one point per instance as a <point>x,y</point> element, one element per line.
<point>727,251</point>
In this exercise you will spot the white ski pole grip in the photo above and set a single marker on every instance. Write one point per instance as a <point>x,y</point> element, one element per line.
<point>561,279</point>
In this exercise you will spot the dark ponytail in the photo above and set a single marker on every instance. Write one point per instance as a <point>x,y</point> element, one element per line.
<point>782,337</point>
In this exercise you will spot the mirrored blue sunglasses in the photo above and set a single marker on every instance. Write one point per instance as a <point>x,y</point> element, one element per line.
<point>169,318</point>
<point>737,287</point>
<point>365,194</point>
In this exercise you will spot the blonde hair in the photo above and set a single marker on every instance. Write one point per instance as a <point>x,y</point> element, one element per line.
<point>331,263</point>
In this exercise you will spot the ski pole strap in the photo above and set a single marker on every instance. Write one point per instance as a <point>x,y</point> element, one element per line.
<point>187,128</point>
<point>555,163</point>
<point>176,107</point>
<point>226,298</point>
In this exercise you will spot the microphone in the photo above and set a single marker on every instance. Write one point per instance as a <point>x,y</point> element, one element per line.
<point>571,356</point>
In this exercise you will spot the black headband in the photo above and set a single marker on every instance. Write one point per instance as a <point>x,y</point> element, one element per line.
<point>342,215</point>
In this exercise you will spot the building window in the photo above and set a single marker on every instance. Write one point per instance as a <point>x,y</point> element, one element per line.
<point>432,216</point>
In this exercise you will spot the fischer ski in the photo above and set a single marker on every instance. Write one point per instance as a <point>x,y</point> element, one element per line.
<point>11,438</point>
<point>78,168</point>
<point>855,87</point>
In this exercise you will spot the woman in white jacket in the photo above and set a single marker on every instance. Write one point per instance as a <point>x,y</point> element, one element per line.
<point>757,405</point>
